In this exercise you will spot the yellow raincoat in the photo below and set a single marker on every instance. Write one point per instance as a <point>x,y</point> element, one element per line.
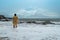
<point>15,20</point>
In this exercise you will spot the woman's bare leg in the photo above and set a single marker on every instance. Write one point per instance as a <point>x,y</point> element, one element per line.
<point>13,26</point>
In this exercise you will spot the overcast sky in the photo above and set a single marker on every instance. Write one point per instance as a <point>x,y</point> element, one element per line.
<point>31,8</point>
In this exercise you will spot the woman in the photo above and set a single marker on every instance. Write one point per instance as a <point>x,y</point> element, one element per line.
<point>15,21</point>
